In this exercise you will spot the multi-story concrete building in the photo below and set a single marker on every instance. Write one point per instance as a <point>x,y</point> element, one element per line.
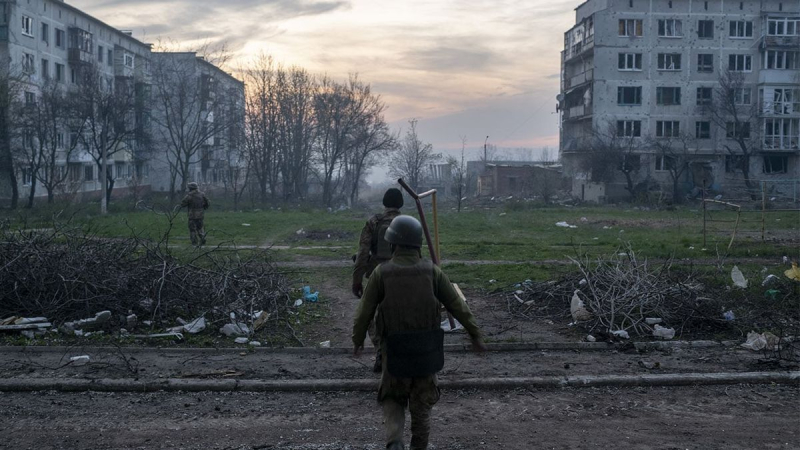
<point>204,135</point>
<point>49,40</point>
<point>647,71</point>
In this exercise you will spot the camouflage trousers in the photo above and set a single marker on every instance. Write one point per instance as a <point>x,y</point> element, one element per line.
<point>196,232</point>
<point>418,395</point>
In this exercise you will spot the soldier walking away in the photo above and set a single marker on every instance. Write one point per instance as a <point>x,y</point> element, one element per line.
<point>374,250</point>
<point>408,291</point>
<point>197,203</point>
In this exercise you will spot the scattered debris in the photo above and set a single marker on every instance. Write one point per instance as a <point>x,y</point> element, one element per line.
<point>325,344</point>
<point>261,318</point>
<point>245,224</point>
<point>650,365</point>
<point>769,279</point>
<point>235,329</point>
<point>793,273</point>
<point>298,302</point>
<point>254,343</point>
<point>760,341</point>
<point>578,308</point>
<point>195,326</point>
<point>80,360</point>
<point>178,336</point>
<point>310,296</point>
<point>622,334</point>
<point>728,315</point>
<point>590,338</point>
<point>241,340</point>
<point>653,320</point>
<point>92,323</point>
<point>738,278</point>
<point>663,333</point>
<point>565,225</point>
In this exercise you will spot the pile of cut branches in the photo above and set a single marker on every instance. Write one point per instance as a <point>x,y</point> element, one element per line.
<point>67,273</point>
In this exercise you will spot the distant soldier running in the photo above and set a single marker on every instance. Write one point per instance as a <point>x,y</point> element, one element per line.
<point>408,291</point>
<point>197,202</point>
<point>373,250</point>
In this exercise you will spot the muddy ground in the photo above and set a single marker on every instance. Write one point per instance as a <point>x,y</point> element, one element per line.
<point>720,417</point>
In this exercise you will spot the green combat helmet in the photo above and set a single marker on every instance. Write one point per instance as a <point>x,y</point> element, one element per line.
<point>192,186</point>
<point>404,230</point>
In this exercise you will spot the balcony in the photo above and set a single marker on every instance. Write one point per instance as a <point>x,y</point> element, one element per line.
<point>781,143</point>
<point>579,79</point>
<point>787,108</point>
<point>579,48</point>
<point>777,42</point>
<point>577,112</point>
<point>77,56</point>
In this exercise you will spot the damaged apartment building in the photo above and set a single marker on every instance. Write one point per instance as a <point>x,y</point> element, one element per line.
<point>46,43</point>
<point>643,78</point>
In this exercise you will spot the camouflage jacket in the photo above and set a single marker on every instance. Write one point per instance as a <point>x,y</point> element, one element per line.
<point>197,202</point>
<point>365,263</point>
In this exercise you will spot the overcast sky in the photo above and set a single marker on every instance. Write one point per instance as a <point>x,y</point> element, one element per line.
<point>462,67</point>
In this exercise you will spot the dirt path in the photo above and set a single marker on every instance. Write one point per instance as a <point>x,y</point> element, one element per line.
<point>730,417</point>
<point>305,262</point>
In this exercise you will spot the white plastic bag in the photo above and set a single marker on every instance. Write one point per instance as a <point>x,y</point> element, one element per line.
<point>578,308</point>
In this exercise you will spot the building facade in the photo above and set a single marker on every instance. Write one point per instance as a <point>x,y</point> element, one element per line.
<point>649,71</point>
<point>45,43</point>
<point>203,140</point>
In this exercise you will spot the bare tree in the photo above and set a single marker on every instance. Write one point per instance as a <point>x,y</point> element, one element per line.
<point>10,104</point>
<point>107,108</point>
<point>262,124</point>
<point>412,158</point>
<point>296,92</point>
<point>46,123</point>
<point>614,149</point>
<point>675,153</point>
<point>189,107</point>
<point>734,108</point>
<point>458,168</point>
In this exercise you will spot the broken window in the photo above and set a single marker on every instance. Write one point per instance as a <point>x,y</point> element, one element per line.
<point>629,95</point>
<point>27,26</point>
<point>704,96</point>
<point>784,101</point>
<point>741,29</point>
<point>668,128</point>
<point>702,130</point>
<point>630,27</point>
<point>669,61</point>
<point>782,134</point>
<point>737,130</point>
<point>705,29</point>
<point>28,63</point>
<point>670,28</point>
<point>776,164</point>
<point>629,61</point>
<point>705,63</point>
<point>668,96</point>
<point>740,63</point>
<point>629,128</point>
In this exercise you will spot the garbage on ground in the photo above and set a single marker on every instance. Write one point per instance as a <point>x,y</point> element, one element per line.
<point>663,333</point>
<point>622,334</point>
<point>87,324</point>
<point>131,320</point>
<point>245,224</point>
<point>772,294</point>
<point>582,282</point>
<point>15,323</point>
<point>769,279</point>
<point>738,277</point>
<point>28,334</point>
<point>254,343</point>
<point>325,344</point>
<point>308,295</point>
<point>793,273</point>
<point>195,326</point>
<point>260,319</point>
<point>300,232</point>
<point>759,341</point>
<point>235,329</point>
<point>649,364</point>
<point>578,309</point>
<point>652,320</point>
<point>492,281</point>
<point>729,315</point>
<point>298,302</point>
<point>445,325</point>
<point>178,336</point>
<point>584,219</point>
<point>80,360</point>
<point>565,225</point>
<point>502,214</point>
<point>590,338</point>
<point>241,340</point>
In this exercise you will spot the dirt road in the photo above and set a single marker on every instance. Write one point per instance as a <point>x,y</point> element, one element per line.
<point>732,417</point>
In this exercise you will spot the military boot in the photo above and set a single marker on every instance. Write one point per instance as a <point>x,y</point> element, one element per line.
<point>396,445</point>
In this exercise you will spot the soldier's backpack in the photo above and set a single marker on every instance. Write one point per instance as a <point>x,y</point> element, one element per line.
<point>380,248</point>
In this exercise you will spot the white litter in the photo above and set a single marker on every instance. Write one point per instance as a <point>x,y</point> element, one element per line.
<point>237,329</point>
<point>241,340</point>
<point>652,320</point>
<point>584,219</point>
<point>663,333</point>
<point>195,326</point>
<point>590,338</point>
<point>755,341</point>
<point>492,281</point>
<point>79,360</point>
<point>770,278</point>
<point>565,225</point>
<point>300,231</point>
<point>245,224</point>
<point>298,302</point>
<point>254,343</point>
<point>578,308</point>
<point>445,325</point>
<point>502,214</point>
<point>325,344</point>
<point>621,334</point>
<point>738,277</point>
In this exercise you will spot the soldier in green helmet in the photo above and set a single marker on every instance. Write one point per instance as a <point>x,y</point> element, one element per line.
<point>197,203</point>
<point>409,290</point>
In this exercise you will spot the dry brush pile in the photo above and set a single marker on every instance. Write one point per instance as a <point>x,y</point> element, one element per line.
<point>67,273</point>
<point>620,292</point>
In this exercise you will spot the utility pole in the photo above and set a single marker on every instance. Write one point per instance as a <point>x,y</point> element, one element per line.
<point>485,157</point>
